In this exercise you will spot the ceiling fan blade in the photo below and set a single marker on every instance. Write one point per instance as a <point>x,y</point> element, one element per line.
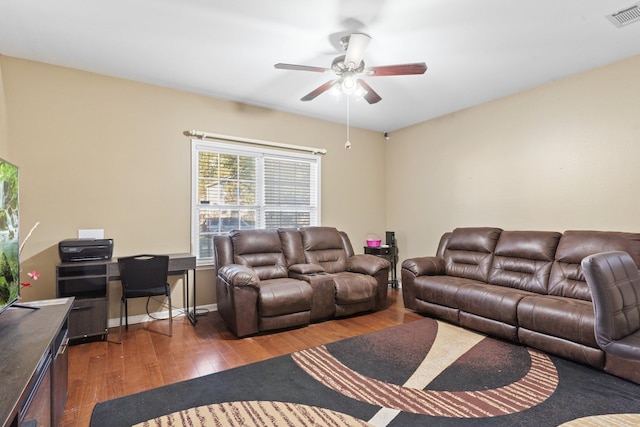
<point>319,90</point>
<point>397,70</point>
<point>371,96</point>
<point>358,43</point>
<point>295,67</point>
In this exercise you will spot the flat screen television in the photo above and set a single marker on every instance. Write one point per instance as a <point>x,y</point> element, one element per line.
<point>9,241</point>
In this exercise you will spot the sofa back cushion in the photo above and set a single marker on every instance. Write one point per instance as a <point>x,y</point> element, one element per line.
<point>222,251</point>
<point>292,246</point>
<point>469,252</point>
<point>442,246</point>
<point>567,278</point>
<point>523,260</point>
<point>261,251</point>
<point>324,246</point>
<point>346,244</point>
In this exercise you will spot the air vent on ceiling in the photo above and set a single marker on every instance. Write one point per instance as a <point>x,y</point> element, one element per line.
<point>626,16</point>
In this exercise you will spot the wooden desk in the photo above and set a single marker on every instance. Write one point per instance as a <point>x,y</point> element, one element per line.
<point>179,264</point>
<point>388,252</point>
<point>33,363</point>
<point>88,282</point>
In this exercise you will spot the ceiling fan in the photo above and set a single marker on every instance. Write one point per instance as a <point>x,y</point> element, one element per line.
<point>350,66</point>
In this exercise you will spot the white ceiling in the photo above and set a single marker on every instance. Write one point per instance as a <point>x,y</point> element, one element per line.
<point>475,50</point>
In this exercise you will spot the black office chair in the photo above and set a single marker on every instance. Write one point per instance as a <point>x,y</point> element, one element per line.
<point>614,283</point>
<point>143,276</point>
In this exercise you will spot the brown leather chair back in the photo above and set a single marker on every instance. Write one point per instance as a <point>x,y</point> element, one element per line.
<point>292,246</point>
<point>469,252</point>
<point>614,283</point>
<point>259,250</point>
<point>566,278</point>
<point>324,246</point>
<point>523,260</point>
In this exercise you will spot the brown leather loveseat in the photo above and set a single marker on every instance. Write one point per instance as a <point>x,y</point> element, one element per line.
<point>523,286</point>
<point>280,278</point>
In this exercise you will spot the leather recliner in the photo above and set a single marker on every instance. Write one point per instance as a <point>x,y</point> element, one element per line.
<point>274,279</point>
<point>614,283</point>
<point>359,281</point>
<point>253,289</point>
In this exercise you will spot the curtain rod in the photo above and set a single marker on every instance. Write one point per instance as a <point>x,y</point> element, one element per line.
<point>205,135</point>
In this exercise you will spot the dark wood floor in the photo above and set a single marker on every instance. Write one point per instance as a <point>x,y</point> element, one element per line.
<point>147,359</point>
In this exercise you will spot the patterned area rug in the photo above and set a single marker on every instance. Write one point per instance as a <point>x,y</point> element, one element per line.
<point>421,373</point>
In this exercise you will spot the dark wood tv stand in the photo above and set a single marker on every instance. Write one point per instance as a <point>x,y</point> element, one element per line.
<point>34,363</point>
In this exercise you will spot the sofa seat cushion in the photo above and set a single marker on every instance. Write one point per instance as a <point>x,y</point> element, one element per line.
<point>441,290</point>
<point>283,296</point>
<point>565,318</point>
<point>353,288</point>
<point>491,301</point>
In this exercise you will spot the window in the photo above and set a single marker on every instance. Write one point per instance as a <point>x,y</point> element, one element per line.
<point>244,187</point>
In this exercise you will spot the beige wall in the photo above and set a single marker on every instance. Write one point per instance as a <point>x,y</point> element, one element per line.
<point>562,156</point>
<point>101,152</point>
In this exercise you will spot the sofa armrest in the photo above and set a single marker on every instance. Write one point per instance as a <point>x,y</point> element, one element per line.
<point>424,266</point>
<point>367,264</point>
<point>239,275</point>
<point>306,269</point>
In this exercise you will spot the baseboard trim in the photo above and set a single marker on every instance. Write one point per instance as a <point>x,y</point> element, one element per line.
<point>160,315</point>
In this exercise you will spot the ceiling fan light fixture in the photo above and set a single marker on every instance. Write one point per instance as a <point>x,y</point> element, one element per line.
<point>349,67</point>
<point>349,84</point>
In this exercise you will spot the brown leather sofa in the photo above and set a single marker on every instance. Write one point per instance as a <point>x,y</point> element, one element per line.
<point>273,279</point>
<point>523,286</point>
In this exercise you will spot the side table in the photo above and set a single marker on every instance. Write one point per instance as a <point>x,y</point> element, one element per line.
<point>388,252</point>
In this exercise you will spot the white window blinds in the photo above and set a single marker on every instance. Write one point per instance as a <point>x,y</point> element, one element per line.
<point>243,187</point>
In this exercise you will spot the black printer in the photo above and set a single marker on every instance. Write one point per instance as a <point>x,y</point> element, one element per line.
<point>73,250</point>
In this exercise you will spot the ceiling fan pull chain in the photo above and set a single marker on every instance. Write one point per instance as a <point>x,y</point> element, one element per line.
<point>347,145</point>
